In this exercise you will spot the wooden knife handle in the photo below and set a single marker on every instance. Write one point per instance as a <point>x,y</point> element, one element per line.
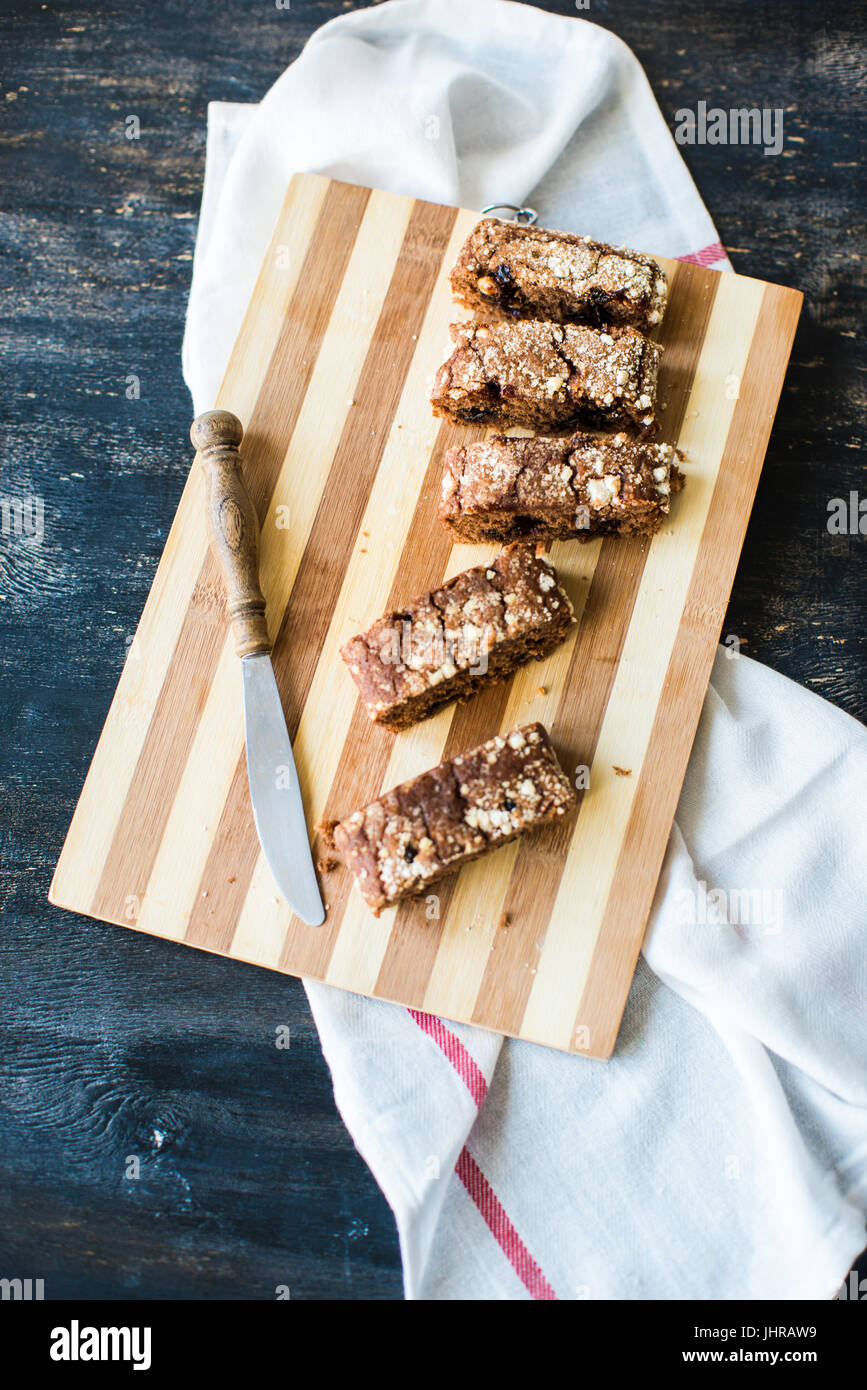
<point>233,527</point>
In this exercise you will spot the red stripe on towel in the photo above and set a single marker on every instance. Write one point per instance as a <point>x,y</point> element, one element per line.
<point>466,1067</point>
<point>707,255</point>
<point>502,1229</point>
<point>490,1207</point>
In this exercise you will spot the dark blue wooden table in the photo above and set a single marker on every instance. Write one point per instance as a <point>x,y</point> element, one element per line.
<point>117,1047</point>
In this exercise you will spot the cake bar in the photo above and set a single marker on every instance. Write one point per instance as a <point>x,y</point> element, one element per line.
<point>447,644</point>
<point>532,372</point>
<point>406,840</point>
<point>501,489</point>
<point>552,275</point>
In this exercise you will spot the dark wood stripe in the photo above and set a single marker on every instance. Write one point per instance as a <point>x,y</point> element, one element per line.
<point>509,974</point>
<point>410,957</point>
<point>574,731</point>
<point>188,678</point>
<point>359,777</point>
<point>326,555</point>
<point>414,941</point>
<point>689,667</point>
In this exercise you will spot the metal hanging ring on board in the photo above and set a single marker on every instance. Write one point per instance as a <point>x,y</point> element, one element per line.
<point>526,215</point>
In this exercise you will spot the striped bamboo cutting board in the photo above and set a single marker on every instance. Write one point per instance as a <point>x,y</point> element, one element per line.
<point>331,374</point>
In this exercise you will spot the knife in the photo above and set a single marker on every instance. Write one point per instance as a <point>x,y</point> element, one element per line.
<point>233,533</point>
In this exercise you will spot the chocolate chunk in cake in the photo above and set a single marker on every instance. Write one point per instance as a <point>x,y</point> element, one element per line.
<point>536,273</point>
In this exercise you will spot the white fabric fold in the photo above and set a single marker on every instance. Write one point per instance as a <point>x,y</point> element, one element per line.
<point>722,1152</point>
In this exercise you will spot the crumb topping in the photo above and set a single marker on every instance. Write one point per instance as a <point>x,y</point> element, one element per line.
<point>576,486</point>
<point>531,371</point>
<point>431,825</point>
<point>480,625</point>
<point>528,270</point>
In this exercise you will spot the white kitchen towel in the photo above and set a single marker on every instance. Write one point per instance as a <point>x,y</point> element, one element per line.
<point>722,1152</point>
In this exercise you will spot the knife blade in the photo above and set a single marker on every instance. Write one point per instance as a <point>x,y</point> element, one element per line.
<point>275,792</point>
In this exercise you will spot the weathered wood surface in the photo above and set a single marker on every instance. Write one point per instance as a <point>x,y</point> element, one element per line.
<point>256,1182</point>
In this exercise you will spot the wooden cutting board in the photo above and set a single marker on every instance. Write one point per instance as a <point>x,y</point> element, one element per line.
<point>331,375</point>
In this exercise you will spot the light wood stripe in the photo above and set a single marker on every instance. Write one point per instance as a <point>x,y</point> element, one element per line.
<point>353,304</point>
<point>571,936</point>
<point>362,940</point>
<point>317,585</point>
<point>182,697</point>
<point>692,656</point>
<point>473,930</point>
<point>192,831</point>
<point>580,712</point>
<point>331,702</point>
<point>190,828</point>
<point>361,947</point>
<point>114,764</point>
<point>214,878</point>
<point>355,780</point>
<point>414,941</point>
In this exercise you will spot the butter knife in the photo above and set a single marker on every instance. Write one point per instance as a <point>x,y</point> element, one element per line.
<point>233,533</point>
